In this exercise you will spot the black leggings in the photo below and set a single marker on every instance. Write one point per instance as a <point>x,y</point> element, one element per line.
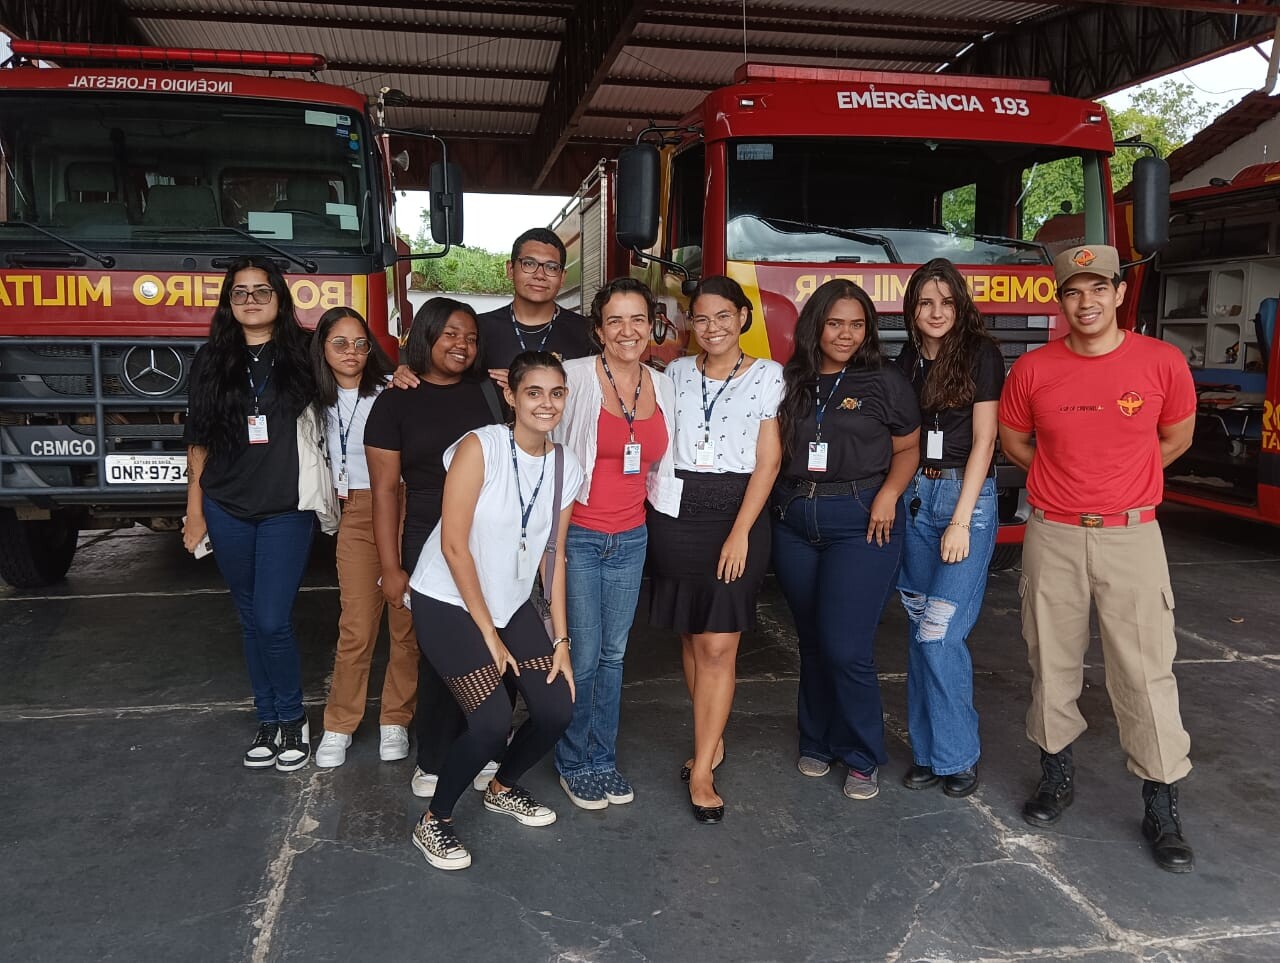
<point>455,648</point>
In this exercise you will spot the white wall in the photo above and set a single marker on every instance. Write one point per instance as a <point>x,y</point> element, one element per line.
<point>1260,147</point>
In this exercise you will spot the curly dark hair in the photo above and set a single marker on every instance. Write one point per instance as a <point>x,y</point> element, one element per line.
<point>220,401</point>
<point>950,382</point>
<point>800,373</point>
<point>376,368</point>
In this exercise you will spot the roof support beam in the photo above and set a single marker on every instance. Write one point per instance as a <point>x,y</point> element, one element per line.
<point>595,34</point>
<point>1108,46</point>
<point>1244,8</point>
<point>532,8</point>
<point>434,70</point>
<point>805,24</point>
<point>551,32</point>
<point>729,13</point>
<point>70,21</point>
<point>841,50</point>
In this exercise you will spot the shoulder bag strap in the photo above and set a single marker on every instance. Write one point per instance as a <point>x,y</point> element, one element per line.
<point>490,392</point>
<point>549,555</point>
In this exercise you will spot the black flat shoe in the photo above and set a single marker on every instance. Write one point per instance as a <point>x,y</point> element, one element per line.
<point>920,777</point>
<point>708,815</point>
<point>960,784</point>
<point>686,772</point>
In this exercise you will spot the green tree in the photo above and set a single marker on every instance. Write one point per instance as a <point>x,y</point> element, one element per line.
<point>465,270</point>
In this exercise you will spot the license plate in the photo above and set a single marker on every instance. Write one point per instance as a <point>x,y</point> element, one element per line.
<point>146,469</point>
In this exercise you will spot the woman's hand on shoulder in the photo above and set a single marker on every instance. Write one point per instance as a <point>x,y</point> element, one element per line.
<point>404,377</point>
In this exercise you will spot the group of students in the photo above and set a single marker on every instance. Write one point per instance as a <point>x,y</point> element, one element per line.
<point>507,536</point>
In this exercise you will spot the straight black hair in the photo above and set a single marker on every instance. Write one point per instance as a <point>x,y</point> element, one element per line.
<point>428,325</point>
<point>376,368</point>
<point>720,286</point>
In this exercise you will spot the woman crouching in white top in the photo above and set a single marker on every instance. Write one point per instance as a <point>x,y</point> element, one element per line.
<point>471,605</point>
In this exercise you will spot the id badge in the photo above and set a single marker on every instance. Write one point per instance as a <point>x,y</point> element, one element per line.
<point>704,454</point>
<point>631,458</point>
<point>258,430</point>
<point>933,445</point>
<point>817,456</point>
<point>344,484</point>
<point>526,563</point>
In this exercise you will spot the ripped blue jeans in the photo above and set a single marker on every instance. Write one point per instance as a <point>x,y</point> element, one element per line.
<point>942,602</point>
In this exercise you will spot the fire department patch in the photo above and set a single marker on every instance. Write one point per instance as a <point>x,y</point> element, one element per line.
<point>1129,403</point>
<point>1083,257</point>
<point>851,404</point>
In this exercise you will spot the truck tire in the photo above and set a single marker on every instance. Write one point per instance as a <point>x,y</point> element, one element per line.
<point>36,553</point>
<point>1005,557</point>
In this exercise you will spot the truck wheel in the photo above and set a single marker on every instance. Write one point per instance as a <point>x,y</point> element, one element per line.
<point>36,553</point>
<point>1006,557</point>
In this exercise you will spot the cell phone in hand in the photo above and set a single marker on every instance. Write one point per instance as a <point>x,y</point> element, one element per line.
<point>205,547</point>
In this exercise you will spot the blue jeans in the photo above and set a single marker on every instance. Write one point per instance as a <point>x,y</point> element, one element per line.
<point>262,562</point>
<point>602,585</point>
<point>836,584</point>
<point>942,602</point>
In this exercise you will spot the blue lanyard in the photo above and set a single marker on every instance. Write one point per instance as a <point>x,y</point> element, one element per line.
<point>708,408</point>
<point>822,408</point>
<point>345,432</point>
<point>629,415</point>
<point>526,510</point>
<point>546,332</point>
<point>256,389</point>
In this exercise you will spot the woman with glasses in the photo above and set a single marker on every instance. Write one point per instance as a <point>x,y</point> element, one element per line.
<point>351,371</point>
<point>708,563</point>
<point>620,422</point>
<point>248,386</point>
<point>405,437</point>
<point>850,438</point>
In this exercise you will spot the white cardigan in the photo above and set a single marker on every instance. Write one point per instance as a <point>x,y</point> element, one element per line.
<point>578,427</point>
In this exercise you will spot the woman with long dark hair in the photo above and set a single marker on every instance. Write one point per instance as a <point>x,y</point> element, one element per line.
<point>405,437</point>
<point>708,563</point>
<point>850,432</point>
<point>248,387</point>
<point>957,371</point>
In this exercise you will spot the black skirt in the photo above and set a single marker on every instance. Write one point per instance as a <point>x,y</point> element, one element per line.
<point>685,595</point>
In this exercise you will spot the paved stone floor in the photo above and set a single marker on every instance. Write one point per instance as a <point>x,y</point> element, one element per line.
<point>130,831</point>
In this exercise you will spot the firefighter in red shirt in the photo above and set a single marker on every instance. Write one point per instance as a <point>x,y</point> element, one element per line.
<point>1108,409</point>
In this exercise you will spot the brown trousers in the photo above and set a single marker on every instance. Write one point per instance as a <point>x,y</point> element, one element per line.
<point>358,625</point>
<point>1124,573</point>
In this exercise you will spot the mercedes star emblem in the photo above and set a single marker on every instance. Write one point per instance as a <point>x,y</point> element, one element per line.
<point>152,372</point>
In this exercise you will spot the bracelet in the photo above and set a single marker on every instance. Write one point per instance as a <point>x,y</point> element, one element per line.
<point>563,639</point>
<point>964,525</point>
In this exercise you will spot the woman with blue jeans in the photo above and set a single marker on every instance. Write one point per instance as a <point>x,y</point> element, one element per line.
<point>248,386</point>
<point>850,432</point>
<point>957,371</point>
<point>619,422</point>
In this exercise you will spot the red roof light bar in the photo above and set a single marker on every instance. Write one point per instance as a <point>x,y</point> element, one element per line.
<point>171,56</point>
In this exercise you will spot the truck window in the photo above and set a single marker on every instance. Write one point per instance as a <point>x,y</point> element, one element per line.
<point>684,216</point>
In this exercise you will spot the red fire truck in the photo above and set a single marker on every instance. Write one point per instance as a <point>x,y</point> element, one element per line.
<point>795,175</point>
<point>1212,293</point>
<point>127,183</point>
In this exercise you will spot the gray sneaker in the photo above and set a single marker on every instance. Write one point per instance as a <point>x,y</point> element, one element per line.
<point>859,785</point>
<point>440,845</point>
<point>518,804</point>
<point>813,768</point>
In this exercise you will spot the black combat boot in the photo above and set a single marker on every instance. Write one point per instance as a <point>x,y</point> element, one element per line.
<point>1056,790</point>
<point>1163,828</point>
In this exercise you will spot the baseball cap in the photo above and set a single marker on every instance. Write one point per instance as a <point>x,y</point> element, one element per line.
<point>1099,259</point>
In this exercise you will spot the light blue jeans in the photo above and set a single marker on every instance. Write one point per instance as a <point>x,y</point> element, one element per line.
<point>602,585</point>
<point>942,602</point>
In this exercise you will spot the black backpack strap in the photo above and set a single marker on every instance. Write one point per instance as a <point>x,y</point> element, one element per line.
<point>490,392</point>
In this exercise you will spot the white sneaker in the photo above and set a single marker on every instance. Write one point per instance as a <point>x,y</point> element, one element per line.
<point>394,744</point>
<point>481,782</point>
<point>332,751</point>
<point>423,784</point>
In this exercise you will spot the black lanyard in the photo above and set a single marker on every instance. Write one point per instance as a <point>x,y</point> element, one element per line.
<point>707,408</point>
<point>526,511</point>
<point>546,331</point>
<point>822,408</point>
<point>629,415</point>
<point>345,432</point>
<point>256,389</point>
<point>923,378</point>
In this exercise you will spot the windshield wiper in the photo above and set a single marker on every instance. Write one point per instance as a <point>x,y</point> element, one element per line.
<point>862,237</point>
<point>307,265</point>
<point>106,260</point>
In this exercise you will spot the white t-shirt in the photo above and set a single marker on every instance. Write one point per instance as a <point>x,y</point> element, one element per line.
<point>354,411</point>
<point>495,528</point>
<point>752,397</point>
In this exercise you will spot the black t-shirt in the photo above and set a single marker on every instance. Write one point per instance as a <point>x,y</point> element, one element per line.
<point>569,337</point>
<point>253,481</point>
<point>869,407</point>
<point>421,423</point>
<point>956,424</point>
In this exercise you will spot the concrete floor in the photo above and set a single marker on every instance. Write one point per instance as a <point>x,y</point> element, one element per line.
<point>130,831</point>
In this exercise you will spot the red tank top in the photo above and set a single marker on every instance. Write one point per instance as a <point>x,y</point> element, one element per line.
<point>616,501</point>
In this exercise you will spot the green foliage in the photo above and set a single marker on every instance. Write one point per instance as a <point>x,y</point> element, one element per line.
<point>463,270</point>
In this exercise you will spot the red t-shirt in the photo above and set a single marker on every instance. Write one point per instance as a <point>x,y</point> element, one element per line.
<point>1095,421</point>
<point>616,501</point>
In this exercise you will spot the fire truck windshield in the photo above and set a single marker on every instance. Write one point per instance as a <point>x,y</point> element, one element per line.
<point>828,200</point>
<point>124,173</point>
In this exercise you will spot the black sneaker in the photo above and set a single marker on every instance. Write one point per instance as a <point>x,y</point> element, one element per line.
<point>295,745</point>
<point>262,754</point>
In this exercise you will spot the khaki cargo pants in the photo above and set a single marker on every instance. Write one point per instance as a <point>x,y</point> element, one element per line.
<point>1124,573</point>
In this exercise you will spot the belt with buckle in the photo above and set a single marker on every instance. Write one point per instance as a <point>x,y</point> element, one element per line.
<point>952,474</point>
<point>804,488</point>
<point>1135,516</point>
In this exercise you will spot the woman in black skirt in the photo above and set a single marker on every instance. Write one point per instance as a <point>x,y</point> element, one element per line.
<point>708,563</point>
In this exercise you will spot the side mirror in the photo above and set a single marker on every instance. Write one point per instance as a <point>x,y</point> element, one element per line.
<point>446,203</point>
<point>1150,205</point>
<point>638,178</point>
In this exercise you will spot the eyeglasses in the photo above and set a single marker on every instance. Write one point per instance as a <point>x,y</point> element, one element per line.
<point>530,265</point>
<point>342,345</point>
<point>723,319</point>
<point>259,295</point>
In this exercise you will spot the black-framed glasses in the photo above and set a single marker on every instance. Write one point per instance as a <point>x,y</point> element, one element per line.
<point>343,345</point>
<point>530,265</point>
<point>259,295</point>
